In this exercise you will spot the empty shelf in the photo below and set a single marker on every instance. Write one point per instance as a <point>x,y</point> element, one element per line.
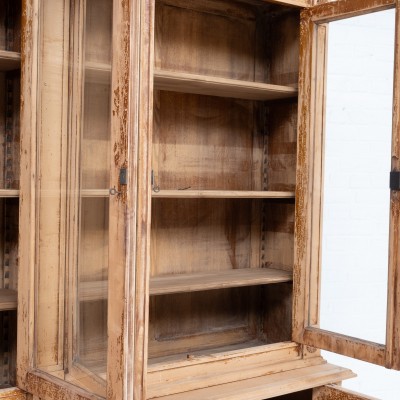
<point>222,194</point>
<point>97,72</point>
<point>9,60</point>
<point>222,87</point>
<point>8,299</point>
<point>268,386</point>
<point>9,193</point>
<point>93,290</point>
<point>95,192</point>
<point>192,282</point>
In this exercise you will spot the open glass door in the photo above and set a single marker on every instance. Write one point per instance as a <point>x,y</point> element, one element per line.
<point>346,211</point>
<point>75,146</point>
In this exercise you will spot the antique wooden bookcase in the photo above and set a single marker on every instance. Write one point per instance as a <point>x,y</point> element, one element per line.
<point>170,201</point>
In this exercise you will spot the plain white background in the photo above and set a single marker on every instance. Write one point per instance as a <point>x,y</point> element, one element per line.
<point>356,192</point>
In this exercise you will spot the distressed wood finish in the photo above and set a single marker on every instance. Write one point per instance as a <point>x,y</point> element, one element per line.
<point>221,194</point>
<point>12,394</point>
<point>393,312</point>
<point>8,299</point>
<point>333,392</point>
<point>27,191</point>
<point>295,380</point>
<point>222,87</point>
<point>216,280</point>
<point>309,190</point>
<point>122,215</point>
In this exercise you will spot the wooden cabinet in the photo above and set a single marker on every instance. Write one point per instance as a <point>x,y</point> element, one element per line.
<point>170,210</point>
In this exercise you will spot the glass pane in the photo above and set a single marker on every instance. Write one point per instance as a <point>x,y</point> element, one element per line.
<point>73,180</point>
<point>356,173</point>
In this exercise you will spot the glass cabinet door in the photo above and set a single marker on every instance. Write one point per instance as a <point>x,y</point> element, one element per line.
<point>346,224</point>
<point>73,190</point>
<point>79,193</point>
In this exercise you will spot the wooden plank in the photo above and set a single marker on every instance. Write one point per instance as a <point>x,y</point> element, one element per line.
<point>8,299</point>
<point>181,283</point>
<point>92,291</point>
<point>334,392</point>
<point>269,386</point>
<point>302,246</point>
<point>233,370</point>
<point>95,192</point>
<point>12,394</point>
<point>294,3</point>
<point>27,220</point>
<point>221,87</point>
<point>5,193</point>
<point>335,10</point>
<point>97,72</point>
<point>222,194</point>
<point>393,310</point>
<point>346,345</point>
<point>9,60</point>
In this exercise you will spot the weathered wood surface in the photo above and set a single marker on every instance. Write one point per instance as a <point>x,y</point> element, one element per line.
<point>333,392</point>
<point>270,385</point>
<point>181,283</point>
<point>221,194</point>
<point>222,87</point>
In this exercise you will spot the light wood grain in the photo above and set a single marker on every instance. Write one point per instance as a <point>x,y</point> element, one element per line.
<point>269,386</point>
<point>221,194</point>
<point>8,299</point>
<point>95,192</point>
<point>97,72</point>
<point>9,60</point>
<point>334,392</point>
<point>348,346</point>
<point>92,291</point>
<point>223,87</point>
<point>12,394</point>
<point>4,193</point>
<point>216,280</point>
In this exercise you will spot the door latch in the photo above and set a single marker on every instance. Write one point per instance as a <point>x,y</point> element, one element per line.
<point>394,180</point>
<point>123,180</point>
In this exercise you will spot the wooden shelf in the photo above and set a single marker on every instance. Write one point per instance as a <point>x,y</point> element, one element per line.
<point>192,282</point>
<point>4,193</point>
<point>97,72</point>
<point>9,60</point>
<point>93,290</point>
<point>222,87</point>
<point>268,386</point>
<point>95,192</point>
<point>222,194</point>
<point>8,299</point>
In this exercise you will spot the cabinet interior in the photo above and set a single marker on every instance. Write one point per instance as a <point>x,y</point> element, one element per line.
<point>223,161</point>
<point>10,47</point>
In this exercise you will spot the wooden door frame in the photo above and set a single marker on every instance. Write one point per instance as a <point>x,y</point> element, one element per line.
<point>306,278</point>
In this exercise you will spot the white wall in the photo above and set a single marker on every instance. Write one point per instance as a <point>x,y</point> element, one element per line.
<point>356,197</point>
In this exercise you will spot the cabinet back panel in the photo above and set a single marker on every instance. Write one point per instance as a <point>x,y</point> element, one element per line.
<point>197,235</point>
<point>279,235</point>
<point>95,152</point>
<point>10,25</point>
<point>98,30</point>
<point>209,40</point>
<point>9,129</point>
<point>281,145</point>
<point>189,322</point>
<point>206,142</point>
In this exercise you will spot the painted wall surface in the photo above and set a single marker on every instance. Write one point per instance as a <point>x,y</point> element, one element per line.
<point>356,196</point>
